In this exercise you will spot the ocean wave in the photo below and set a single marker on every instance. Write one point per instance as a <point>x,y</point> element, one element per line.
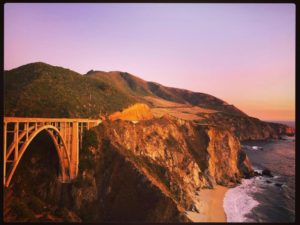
<point>238,201</point>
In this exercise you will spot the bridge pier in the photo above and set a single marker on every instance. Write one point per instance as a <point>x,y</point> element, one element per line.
<point>74,152</point>
<point>4,152</point>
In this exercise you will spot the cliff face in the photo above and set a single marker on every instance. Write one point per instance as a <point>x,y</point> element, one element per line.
<point>148,171</point>
<point>177,156</point>
<point>125,194</point>
<point>248,128</point>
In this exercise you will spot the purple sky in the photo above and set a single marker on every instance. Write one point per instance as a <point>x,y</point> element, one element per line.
<point>241,53</point>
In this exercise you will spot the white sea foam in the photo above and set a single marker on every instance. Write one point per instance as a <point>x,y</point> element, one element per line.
<point>256,169</point>
<point>238,201</point>
<point>288,138</point>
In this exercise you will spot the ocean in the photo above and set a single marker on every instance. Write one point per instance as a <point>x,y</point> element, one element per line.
<point>265,199</point>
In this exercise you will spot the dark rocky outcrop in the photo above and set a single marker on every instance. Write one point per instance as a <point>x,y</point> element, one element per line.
<point>248,128</point>
<point>267,173</point>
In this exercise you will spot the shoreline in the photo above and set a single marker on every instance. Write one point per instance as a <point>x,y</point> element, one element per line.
<point>209,203</point>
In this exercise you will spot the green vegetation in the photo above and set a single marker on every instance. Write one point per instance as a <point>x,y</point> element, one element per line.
<point>133,84</point>
<point>106,159</point>
<point>86,157</point>
<point>163,92</point>
<point>42,90</point>
<point>89,139</point>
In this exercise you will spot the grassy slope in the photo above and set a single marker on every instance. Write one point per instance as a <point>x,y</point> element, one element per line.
<point>191,106</point>
<point>143,89</point>
<point>39,89</point>
<point>42,90</point>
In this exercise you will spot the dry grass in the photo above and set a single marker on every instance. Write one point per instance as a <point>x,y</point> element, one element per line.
<point>159,102</point>
<point>159,112</point>
<point>159,108</point>
<point>133,113</point>
<point>179,110</point>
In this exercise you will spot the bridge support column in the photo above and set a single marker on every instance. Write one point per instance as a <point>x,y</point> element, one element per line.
<point>74,151</point>
<point>4,151</point>
<point>16,141</point>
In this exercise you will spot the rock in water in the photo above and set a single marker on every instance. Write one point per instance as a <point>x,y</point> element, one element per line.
<point>267,173</point>
<point>278,184</point>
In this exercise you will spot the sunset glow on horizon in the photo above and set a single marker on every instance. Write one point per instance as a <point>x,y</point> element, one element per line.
<point>243,54</point>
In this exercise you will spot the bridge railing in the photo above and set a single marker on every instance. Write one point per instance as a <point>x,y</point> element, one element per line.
<point>34,120</point>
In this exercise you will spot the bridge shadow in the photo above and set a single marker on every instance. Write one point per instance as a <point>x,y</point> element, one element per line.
<point>35,183</point>
<point>38,166</point>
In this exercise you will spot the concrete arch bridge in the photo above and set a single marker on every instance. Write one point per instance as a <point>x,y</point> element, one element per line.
<point>66,135</point>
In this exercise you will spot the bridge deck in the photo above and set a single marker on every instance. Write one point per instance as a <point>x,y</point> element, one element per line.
<point>25,119</point>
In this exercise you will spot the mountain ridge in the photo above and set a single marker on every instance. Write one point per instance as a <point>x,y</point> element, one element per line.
<point>141,87</point>
<point>42,90</point>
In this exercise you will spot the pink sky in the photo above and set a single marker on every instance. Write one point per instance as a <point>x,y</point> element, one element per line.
<point>241,53</point>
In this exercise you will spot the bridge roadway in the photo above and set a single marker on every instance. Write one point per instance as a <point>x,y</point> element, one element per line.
<point>66,134</point>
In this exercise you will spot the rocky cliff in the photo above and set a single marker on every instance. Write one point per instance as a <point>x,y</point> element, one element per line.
<point>189,157</point>
<point>246,127</point>
<point>146,171</point>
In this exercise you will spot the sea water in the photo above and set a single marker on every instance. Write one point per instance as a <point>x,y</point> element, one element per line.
<point>265,199</point>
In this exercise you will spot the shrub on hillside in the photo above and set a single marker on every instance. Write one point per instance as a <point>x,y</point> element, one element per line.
<point>86,157</point>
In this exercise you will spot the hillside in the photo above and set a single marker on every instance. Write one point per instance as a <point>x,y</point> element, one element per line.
<point>42,90</point>
<point>141,88</point>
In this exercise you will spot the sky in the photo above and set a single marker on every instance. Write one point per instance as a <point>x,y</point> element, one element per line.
<point>243,54</point>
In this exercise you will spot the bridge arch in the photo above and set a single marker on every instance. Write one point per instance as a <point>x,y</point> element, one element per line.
<point>66,134</point>
<point>61,149</point>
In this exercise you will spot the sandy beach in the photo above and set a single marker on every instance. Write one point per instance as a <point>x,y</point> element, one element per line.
<point>209,203</point>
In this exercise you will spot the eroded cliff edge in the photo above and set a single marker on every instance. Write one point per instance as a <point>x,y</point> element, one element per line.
<point>177,156</point>
<point>146,171</point>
